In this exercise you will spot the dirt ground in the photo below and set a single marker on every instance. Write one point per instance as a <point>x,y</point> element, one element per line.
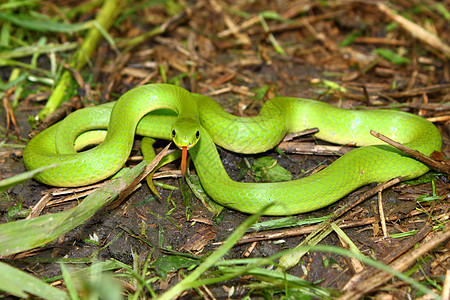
<point>228,50</point>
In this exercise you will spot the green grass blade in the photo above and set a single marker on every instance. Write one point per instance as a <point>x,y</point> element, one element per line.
<point>70,284</point>
<point>23,235</point>
<point>43,24</point>
<point>17,179</point>
<point>189,281</point>
<point>15,63</point>
<point>18,4</point>
<point>19,283</point>
<point>31,50</point>
<point>391,55</point>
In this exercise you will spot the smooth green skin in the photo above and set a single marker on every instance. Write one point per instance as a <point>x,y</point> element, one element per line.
<point>278,116</point>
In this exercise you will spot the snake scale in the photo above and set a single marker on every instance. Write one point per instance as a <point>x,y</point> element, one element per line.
<point>198,123</point>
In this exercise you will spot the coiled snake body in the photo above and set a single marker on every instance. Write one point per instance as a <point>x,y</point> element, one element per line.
<point>201,122</point>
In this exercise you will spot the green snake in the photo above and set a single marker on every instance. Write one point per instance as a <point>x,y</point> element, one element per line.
<point>198,123</point>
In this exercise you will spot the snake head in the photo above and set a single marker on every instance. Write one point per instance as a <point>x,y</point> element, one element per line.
<point>185,135</point>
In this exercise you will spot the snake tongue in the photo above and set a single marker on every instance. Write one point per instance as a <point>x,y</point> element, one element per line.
<point>183,166</point>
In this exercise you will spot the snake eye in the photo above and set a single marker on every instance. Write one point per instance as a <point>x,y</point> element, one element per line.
<point>197,134</point>
<point>173,132</point>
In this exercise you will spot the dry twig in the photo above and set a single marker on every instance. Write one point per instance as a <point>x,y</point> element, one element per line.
<point>416,154</point>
